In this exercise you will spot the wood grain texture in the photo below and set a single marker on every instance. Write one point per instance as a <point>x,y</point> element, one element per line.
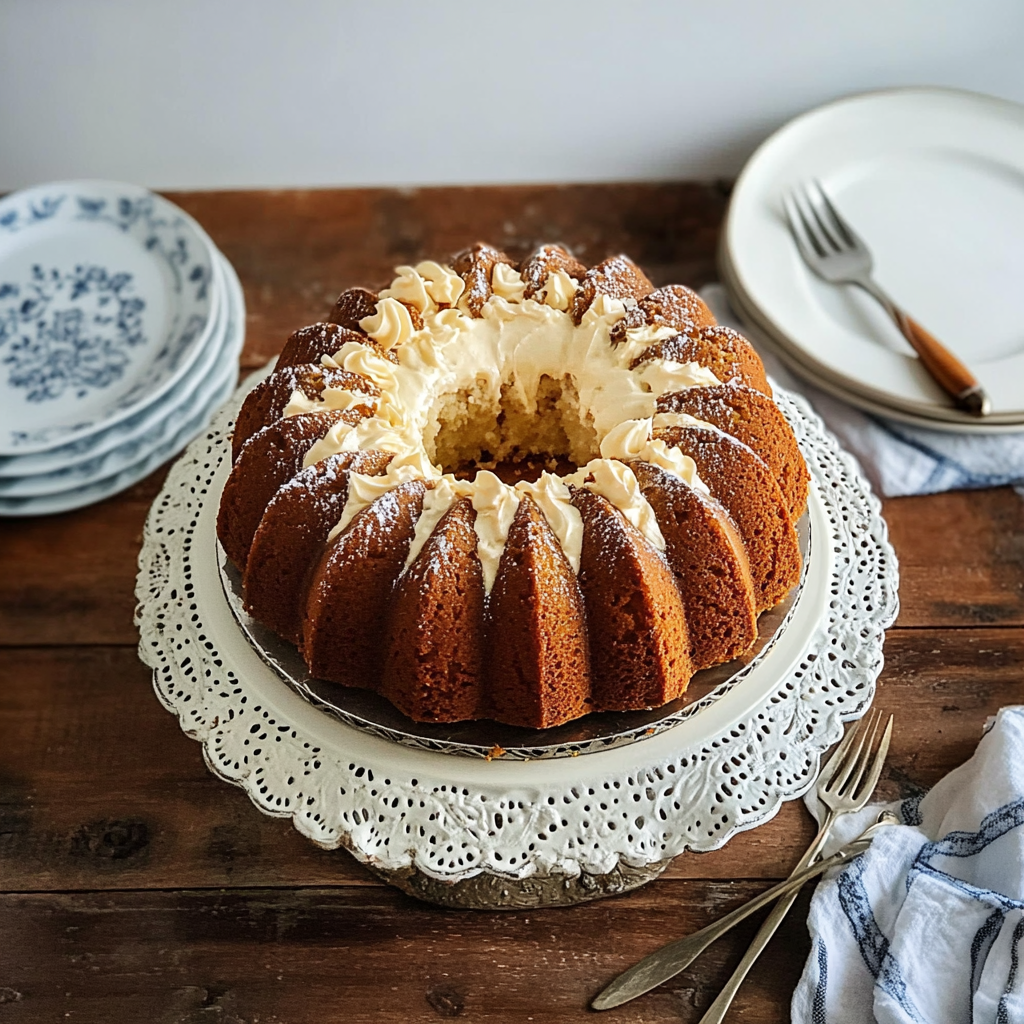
<point>317,956</point>
<point>961,557</point>
<point>296,250</point>
<point>99,789</point>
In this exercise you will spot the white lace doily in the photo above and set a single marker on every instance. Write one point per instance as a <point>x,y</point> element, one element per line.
<point>398,808</point>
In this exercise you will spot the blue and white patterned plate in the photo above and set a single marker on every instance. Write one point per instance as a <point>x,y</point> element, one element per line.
<point>181,424</point>
<point>107,298</point>
<point>139,425</point>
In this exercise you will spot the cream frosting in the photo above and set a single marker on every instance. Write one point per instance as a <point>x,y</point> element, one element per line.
<point>615,481</point>
<point>436,502</point>
<point>551,493</point>
<point>631,439</point>
<point>338,399</point>
<point>507,283</point>
<point>513,344</point>
<point>444,286</point>
<point>495,504</point>
<point>639,339</point>
<point>558,290</point>
<point>363,490</point>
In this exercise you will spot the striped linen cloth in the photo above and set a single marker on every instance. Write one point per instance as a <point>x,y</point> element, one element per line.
<point>898,458</point>
<point>927,927</point>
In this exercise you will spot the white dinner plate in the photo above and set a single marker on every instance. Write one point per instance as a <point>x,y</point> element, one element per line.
<point>763,339</point>
<point>933,180</point>
<point>107,298</point>
<point>182,426</point>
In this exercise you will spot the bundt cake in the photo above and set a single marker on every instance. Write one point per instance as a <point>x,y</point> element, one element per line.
<point>387,514</point>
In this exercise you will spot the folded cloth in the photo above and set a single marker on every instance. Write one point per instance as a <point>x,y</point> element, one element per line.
<point>928,925</point>
<point>898,458</point>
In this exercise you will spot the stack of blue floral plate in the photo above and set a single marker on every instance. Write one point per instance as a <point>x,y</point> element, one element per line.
<point>120,330</point>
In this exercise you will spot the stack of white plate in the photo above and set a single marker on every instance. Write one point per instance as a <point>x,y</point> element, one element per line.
<point>933,181</point>
<point>120,329</point>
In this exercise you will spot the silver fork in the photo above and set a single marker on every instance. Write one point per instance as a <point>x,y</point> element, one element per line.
<point>843,787</point>
<point>833,250</point>
<point>845,784</point>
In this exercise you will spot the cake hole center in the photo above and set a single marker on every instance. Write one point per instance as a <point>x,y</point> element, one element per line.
<point>472,430</point>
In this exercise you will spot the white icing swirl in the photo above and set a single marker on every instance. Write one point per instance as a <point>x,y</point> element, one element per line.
<point>552,496</point>
<point>363,490</point>
<point>495,505</point>
<point>507,283</point>
<point>390,326</point>
<point>409,287</point>
<point>631,440</point>
<point>639,339</point>
<point>627,440</point>
<point>443,285</point>
<point>616,481</point>
<point>665,375</point>
<point>558,290</point>
<point>665,420</point>
<point>436,502</point>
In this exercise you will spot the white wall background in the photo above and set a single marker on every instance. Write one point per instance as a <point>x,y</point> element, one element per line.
<point>256,93</point>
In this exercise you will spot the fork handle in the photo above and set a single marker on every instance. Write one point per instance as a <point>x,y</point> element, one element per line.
<point>717,1010</point>
<point>948,372</point>
<point>667,962</point>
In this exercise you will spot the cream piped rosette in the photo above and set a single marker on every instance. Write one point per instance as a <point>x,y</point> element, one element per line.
<point>512,345</point>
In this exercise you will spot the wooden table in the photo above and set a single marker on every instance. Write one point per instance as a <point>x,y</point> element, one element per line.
<point>134,886</point>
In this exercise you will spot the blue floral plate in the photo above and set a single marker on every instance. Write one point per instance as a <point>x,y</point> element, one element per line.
<point>139,425</point>
<point>91,469</point>
<point>107,299</point>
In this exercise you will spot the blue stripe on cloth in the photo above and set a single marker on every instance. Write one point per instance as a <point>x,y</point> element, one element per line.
<point>873,945</point>
<point>818,1008</point>
<point>949,473</point>
<point>910,809</point>
<point>1003,1011</point>
<point>968,844</point>
<point>983,939</point>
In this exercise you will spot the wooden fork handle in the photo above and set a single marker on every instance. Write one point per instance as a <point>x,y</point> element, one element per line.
<point>952,376</point>
<point>946,370</point>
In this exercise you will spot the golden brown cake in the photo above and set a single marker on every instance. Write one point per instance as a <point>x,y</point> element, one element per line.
<point>641,516</point>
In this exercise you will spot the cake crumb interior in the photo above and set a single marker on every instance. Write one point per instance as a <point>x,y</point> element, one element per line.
<point>470,430</point>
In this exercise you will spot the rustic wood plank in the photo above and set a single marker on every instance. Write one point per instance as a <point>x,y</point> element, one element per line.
<point>296,250</point>
<point>357,956</point>
<point>99,789</point>
<point>961,557</point>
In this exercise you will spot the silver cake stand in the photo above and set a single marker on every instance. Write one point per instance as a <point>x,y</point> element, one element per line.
<point>559,817</point>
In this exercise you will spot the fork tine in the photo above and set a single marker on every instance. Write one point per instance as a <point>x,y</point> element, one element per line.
<point>876,766</point>
<point>862,762</point>
<point>839,784</point>
<point>826,232</point>
<point>839,754</point>
<point>798,227</point>
<point>822,245</point>
<point>840,225</point>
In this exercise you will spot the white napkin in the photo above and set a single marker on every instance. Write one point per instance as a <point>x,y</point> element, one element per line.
<point>898,458</point>
<point>928,925</point>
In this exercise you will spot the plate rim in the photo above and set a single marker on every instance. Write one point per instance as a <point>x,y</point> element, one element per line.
<point>767,333</point>
<point>153,396</point>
